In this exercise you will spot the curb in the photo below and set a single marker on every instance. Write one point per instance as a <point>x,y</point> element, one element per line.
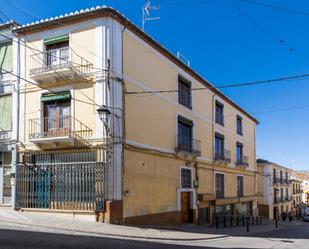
<point>114,235</point>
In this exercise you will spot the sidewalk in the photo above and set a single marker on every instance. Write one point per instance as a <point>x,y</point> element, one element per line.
<point>63,224</point>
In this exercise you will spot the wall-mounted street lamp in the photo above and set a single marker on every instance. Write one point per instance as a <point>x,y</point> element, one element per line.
<point>104,114</point>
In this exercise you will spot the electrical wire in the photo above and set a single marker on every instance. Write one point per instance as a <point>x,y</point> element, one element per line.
<point>274,80</point>
<point>298,12</point>
<point>45,88</point>
<point>269,34</point>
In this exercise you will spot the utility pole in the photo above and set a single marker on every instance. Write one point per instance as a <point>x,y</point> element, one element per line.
<point>147,7</point>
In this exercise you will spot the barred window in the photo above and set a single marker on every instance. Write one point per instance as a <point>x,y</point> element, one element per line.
<point>219,185</point>
<point>186,178</point>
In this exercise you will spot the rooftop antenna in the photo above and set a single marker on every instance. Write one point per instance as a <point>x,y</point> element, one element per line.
<point>146,13</point>
<point>184,59</point>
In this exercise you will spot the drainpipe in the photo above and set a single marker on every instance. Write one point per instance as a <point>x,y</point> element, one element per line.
<point>212,149</point>
<point>123,142</point>
<point>14,152</point>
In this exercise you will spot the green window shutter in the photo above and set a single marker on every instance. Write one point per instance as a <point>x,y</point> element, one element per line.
<point>55,40</point>
<point>6,57</point>
<point>185,121</point>
<point>49,97</point>
<point>6,112</point>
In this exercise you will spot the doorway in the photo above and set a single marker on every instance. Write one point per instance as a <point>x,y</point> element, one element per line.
<point>186,211</point>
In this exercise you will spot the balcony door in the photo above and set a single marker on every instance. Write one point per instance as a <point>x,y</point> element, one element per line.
<point>57,54</point>
<point>185,134</point>
<point>57,118</point>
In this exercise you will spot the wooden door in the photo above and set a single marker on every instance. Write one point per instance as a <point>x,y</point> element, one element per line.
<point>185,207</point>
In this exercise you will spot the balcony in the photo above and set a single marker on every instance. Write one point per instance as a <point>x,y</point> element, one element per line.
<point>224,156</point>
<point>242,162</point>
<point>188,146</point>
<point>5,136</point>
<point>58,64</point>
<point>63,129</point>
<point>279,180</point>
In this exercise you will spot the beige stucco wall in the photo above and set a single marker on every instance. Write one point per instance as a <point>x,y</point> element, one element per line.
<point>152,114</point>
<point>151,122</point>
<point>83,43</point>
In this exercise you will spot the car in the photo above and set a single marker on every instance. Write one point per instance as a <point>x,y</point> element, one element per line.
<point>306,218</point>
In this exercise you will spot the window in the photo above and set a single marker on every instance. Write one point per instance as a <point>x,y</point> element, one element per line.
<point>57,114</point>
<point>239,125</point>
<point>281,176</point>
<point>275,195</point>
<point>287,193</point>
<point>57,50</point>
<point>184,92</point>
<point>219,185</point>
<point>219,146</point>
<point>240,186</point>
<point>185,128</point>
<point>186,178</point>
<point>286,177</point>
<point>281,193</point>
<point>6,113</point>
<point>239,152</point>
<point>275,175</point>
<point>219,113</point>
<point>6,57</point>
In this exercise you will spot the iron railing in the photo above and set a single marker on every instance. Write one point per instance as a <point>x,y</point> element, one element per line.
<point>221,221</point>
<point>279,180</point>
<point>188,146</point>
<point>57,59</point>
<point>4,135</point>
<point>243,161</point>
<point>61,126</point>
<point>66,180</point>
<point>223,156</point>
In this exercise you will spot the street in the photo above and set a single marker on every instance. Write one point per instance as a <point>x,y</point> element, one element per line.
<point>296,236</point>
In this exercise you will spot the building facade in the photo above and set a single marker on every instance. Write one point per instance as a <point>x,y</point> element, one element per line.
<point>297,196</point>
<point>274,189</point>
<point>98,134</point>
<point>9,70</point>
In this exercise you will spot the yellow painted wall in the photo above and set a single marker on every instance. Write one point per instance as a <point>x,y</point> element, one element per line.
<point>83,43</point>
<point>151,121</point>
<point>152,114</point>
<point>151,182</point>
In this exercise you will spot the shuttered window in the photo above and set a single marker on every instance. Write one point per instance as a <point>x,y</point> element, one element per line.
<point>219,185</point>
<point>6,57</point>
<point>6,113</point>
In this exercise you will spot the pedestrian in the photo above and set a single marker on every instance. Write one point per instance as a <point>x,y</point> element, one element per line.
<point>290,215</point>
<point>283,215</point>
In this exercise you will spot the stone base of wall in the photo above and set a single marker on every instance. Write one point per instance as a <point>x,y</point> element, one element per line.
<point>162,219</point>
<point>264,210</point>
<point>113,212</point>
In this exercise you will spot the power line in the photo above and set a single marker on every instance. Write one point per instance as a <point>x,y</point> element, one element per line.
<point>298,12</point>
<point>275,80</point>
<point>58,73</point>
<point>45,88</point>
<point>267,33</point>
<point>32,15</point>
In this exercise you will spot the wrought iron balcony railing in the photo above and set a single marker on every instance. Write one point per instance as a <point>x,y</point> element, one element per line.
<point>223,156</point>
<point>63,127</point>
<point>65,60</point>
<point>279,180</point>
<point>188,145</point>
<point>242,161</point>
<point>4,135</point>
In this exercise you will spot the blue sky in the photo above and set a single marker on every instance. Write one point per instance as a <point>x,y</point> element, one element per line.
<point>228,45</point>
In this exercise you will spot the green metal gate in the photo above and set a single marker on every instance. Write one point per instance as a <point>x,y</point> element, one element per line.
<point>70,180</point>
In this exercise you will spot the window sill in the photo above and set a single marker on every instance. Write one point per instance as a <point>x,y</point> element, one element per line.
<point>187,106</point>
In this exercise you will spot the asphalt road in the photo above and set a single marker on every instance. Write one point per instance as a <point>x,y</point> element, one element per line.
<point>296,236</point>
